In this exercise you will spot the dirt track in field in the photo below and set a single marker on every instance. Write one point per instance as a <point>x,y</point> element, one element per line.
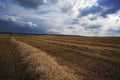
<point>7,59</point>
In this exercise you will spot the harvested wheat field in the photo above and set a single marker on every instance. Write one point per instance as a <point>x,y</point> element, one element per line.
<point>30,63</point>
<point>52,57</point>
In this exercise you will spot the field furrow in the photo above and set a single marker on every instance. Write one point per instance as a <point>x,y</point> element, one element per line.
<point>98,51</point>
<point>97,60</point>
<point>82,42</point>
<point>59,57</point>
<point>37,65</point>
<point>20,61</point>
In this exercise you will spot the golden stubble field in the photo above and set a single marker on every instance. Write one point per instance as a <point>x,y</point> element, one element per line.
<point>50,57</point>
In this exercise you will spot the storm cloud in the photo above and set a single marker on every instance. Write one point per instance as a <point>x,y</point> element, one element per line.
<point>31,3</point>
<point>104,7</point>
<point>9,26</point>
<point>2,6</point>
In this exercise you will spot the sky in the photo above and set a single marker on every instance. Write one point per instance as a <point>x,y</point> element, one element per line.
<point>68,17</point>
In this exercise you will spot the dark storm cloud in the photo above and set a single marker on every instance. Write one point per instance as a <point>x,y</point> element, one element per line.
<point>98,9</point>
<point>110,3</point>
<point>91,10</point>
<point>30,3</point>
<point>8,26</point>
<point>2,5</point>
<point>112,6</point>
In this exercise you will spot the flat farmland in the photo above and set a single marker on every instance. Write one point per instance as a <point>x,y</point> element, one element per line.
<point>21,61</point>
<point>52,57</point>
<point>93,58</point>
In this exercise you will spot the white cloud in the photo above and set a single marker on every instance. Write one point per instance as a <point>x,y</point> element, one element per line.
<point>73,7</point>
<point>111,22</point>
<point>30,24</point>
